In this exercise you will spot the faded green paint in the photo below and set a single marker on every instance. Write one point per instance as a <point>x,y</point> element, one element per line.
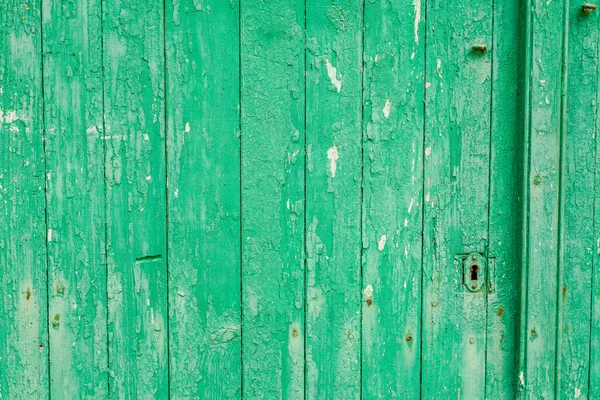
<point>456,190</point>
<point>273,199</point>
<point>273,208</point>
<point>75,198</point>
<point>23,324</point>
<point>504,227</point>
<point>204,198</point>
<point>333,198</point>
<point>394,85</point>
<point>135,198</point>
<point>543,189</point>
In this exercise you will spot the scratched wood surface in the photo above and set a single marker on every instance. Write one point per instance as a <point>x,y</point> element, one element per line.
<point>205,199</point>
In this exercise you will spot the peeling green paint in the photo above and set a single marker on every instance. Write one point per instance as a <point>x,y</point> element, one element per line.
<point>286,199</point>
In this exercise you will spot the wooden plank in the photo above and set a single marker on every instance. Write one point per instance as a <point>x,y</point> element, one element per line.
<point>456,163</point>
<point>272,62</point>
<point>579,237</point>
<point>594,360</point>
<point>135,192</point>
<point>333,198</point>
<point>204,198</point>
<point>75,198</point>
<point>23,327</point>
<point>504,228</point>
<point>543,129</point>
<point>394,41</point>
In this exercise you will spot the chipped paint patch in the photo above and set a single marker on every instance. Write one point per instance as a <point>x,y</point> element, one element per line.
<point>381,243</point>
<point>577,393</point>
<point>187,127</point>
<point>410,206</point>
<point>8,117</point>
<point>387,108</point>
<point>333,75</point>
<point>522,378</point>
<point>333,156</point>
<point>417,6</point>
<point>368,292</point>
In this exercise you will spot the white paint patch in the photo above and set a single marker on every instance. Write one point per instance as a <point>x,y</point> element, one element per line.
<point>8,117</point>
<point>176,193</point>
<point>50,234</point>
<point>91,130</point>
<point>428,151</point>
<point>405,222</point>
<point>410,206</point>
<point>148,178</point>
<point>146,137</point>
<point>187,127</point>
<point>332,72</point>
<point>381,243</point>
<point>427,84</point>
<point>387,108</point>
<point>522,378</point>
<point>332,155</point>
<point>577,393</point>
<point>368,292</point>
<point>417,5</point>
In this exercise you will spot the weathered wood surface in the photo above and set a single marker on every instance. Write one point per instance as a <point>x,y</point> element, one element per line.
<point>269,199</point>
<point>203,145</point>
<point>394,84</point>
<point>23,233</point>
<point>333,198</point>
<point>135,174</point>
<point>73,119</point>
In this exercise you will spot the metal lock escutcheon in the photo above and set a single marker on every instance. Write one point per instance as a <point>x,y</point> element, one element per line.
<point>474,271</point>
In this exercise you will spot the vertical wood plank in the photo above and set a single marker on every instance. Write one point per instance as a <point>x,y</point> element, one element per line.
<point>457,159</point>
<point>204,198</point>
<point>579,236</point>
<point>135,191</point>
<point>75,198</point>
<point>23,326</point>
<point>273,93</point>
<point>333,198</point>
<point>504,228</point>
<point>594,363</point>
<point>393,170</point>
<point>543,128</point>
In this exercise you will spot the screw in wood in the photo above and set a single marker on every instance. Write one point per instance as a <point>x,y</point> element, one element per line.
<point>588,7</point>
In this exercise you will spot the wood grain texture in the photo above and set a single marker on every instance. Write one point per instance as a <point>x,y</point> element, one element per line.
<point>272,62</point>
<point>504,225</point>
<point>23,326</point>
<point>594,363</point>
<point>135,193</point>
<point>579,213</point>
<point>456,164</point>
<point>75,198</point>
<point>543,127</point>
<point>204,198</point>
<point>394,43</point>
<point>333,198</point>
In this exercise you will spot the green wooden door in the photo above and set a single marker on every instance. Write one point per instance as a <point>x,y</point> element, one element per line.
<point>299,199</point>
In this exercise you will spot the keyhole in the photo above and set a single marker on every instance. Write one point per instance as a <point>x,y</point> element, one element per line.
<point>474,272</point>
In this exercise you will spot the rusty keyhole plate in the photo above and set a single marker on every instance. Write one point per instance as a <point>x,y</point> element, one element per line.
<point>474,271</point>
